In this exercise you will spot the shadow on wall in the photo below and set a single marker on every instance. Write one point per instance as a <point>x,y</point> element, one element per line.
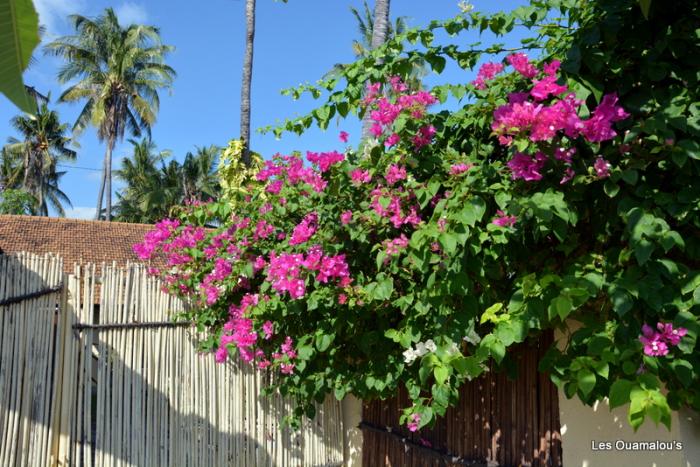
<point>103,399</point>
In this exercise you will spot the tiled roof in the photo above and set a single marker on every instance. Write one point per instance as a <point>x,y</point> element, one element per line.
<point>77,241</point>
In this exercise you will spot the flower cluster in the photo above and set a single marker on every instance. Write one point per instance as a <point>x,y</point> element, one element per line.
<point>287,271</point>
<point>384,111</point>
<point>414,422</point>
<point>504,220</point>
<point>527,115</point>
<point>325,160</point>
<point>656,343</point>
<point>290,170</point>
<point>486,73</point>
<point>389,204</point>
<point>395,246</point>
<point>304,230</point>
<point>156,237</point>
<point>458,169</point>
<point>422,348</point>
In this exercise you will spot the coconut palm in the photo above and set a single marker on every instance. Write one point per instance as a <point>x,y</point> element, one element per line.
<point>154,187</point>
<point>119,72</point>
<point>247,79</point>
<point>141,173</point>
<point>198,174</point>
<point>43,144</point>
<point>365,27</point>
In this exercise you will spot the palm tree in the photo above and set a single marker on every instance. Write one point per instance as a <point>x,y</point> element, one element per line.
<point>119,71</point>
<point>141,174</point>
<point>198,174</point>
<point>365,26</point>
<point>154,187</point>
<point>42,146</point>
<point>247,79</point>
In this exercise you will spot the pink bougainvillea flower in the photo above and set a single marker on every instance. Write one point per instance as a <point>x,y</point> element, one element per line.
<point>424,136</point>
<point>654,346</point>
<point>376,129</point>
<point>602,167</point>
<point>342,299</point>
<point>395,246</point>
<point>551,68</point>
<point>568,175</point>
<point>325,160</point>
<point>599,126</point>
<point>565,155</point>
<point>344,136</point>
<point>275,187</point>
<point>414,422</point>
<point>527,167</point>
<point>359,176</point>
<point>457,169</point>
<point>305,229</point>
<point>268,329</point>
<point>346,217</point>
<point>547,86</point>
<point>392,140</point>
<point>670,334</point>
<point>221,354</point>
<point>504,220</point>
<point>486,73</point>
<point>395,173</point>
<point>522,65</point>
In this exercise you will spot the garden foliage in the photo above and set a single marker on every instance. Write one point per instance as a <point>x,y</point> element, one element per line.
<point>559,194</point>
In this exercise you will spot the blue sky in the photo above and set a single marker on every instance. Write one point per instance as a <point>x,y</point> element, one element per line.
<point>296,42</point>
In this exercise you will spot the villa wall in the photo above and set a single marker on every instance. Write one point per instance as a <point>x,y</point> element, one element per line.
<point>582,425</point>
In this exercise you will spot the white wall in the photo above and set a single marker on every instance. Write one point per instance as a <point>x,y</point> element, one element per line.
<point>352,436</point>
<point>581,425</point>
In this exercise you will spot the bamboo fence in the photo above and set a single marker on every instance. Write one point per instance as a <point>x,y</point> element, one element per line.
<point>27,339</point>
<point>135,395</point>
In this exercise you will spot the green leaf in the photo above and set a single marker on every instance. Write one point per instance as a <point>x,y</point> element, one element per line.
<point>323,341</point>
<point>468,366</point>
<point>561,306</point>
<point>684,371</point>
<point>691,148</point>
<point>645,5</point>
<point>384,289</point>
<point>441,374</point>
<point>304,352</point>
<point>611,188</point>
<point>490,313</point>
<point>620,392</point>
<point>586,381</point>
<point>19,35</point>
<point>622,301</point>
<point>448,242</point>
<point>630,176</point>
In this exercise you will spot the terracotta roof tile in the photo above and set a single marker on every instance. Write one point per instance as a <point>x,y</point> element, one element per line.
<point>76,240</point>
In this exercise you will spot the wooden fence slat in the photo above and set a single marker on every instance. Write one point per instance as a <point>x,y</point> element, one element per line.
<point>498,421</point>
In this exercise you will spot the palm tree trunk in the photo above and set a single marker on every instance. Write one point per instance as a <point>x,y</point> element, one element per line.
<point>100,193</point>
<point>247,79</point>
<point>106,181</point>
<point>379,35</point>
<point>381,22</point>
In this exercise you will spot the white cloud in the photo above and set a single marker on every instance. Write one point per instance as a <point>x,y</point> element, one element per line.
<point>131,13</point>
<point>53,14</point>
<point>81,212</point>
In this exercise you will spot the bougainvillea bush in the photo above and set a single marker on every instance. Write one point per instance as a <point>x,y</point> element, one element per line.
<point>559,193</point>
